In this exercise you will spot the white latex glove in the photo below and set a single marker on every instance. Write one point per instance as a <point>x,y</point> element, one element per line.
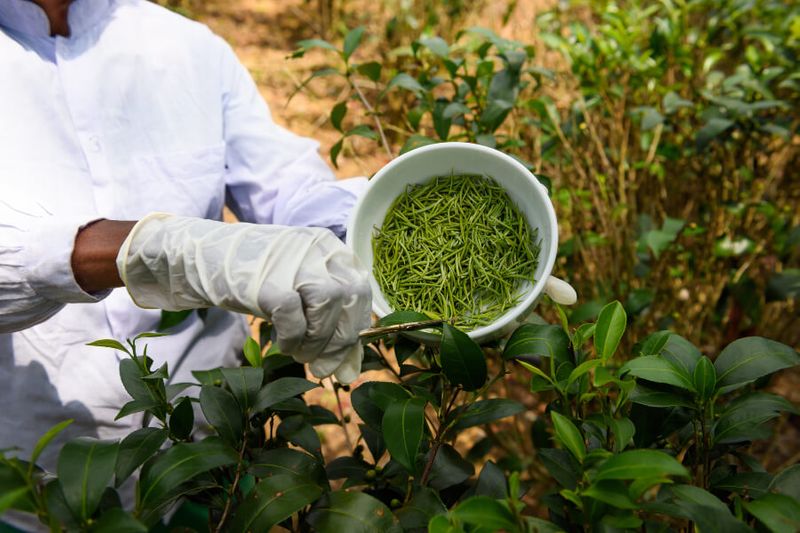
<point>305,280</point>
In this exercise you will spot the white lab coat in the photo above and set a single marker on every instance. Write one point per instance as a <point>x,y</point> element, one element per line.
<point>139,110</point>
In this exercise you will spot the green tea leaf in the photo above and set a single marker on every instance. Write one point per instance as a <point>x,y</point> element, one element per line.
<point>181,421</point>
<point>423,506</point>
<point>85,468</point>
<point>614,492</point>
<point>485,411</point>
<point>135,449</point>
<point>780,513</point>
<point>657,369</point>
<point>362,130</point>
<point>282,461</point>
<point>562,466</point>
<point>308,44</point>
<point>45,439</point>
<point>609,328</point>
<point>654,398</point>
<point>9,498</point>
<point>486,513</point>
<point>222,412</point>
<point>437,45</point>
<point>787,482</point>
<point>569,435</point>
<point>403,425</point>
<point>337,115</point>
<point>405,81</point>
<point>351,41</point>
<point>635,464</point>
<point>299,432</point>
<point>402,317</point>
<point>252,352</point>
<point>109,343</point>
<point>543,340</point>
<point>116,520</point>
<point>743,419</point>
<point>745,360</point>
<point>705,379</point>
<point>245,384</point>
<point>462,359</point>
<point>351,512</point>
<point>162,476</point>
<point>371,70</point>
<point>170,319</point>
<point>281,389</point>
<point>582,369</point>
<point>273,500</point>
<point>449,468</point>
<point>372,398</point>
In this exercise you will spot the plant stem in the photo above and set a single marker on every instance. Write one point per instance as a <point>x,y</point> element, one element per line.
<point>233,487</point>
<point>437,440</point>
<point>371,111</point>
<point>341,416</point>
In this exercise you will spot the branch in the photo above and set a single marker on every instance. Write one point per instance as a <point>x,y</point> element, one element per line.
<point>371,111</point>
<point>233,487</point>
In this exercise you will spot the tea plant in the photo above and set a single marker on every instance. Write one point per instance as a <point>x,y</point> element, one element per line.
<point>658,441</point>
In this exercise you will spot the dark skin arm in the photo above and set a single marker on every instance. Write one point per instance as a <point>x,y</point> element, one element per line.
<point>56,11</point>
<point>94,256</point>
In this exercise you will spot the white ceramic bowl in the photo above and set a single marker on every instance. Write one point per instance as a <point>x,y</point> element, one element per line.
<point>422,164</point>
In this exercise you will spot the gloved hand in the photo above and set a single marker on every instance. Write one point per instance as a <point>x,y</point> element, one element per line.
<point>304,280</point>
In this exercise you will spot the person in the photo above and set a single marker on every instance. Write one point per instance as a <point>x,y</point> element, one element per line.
<point>125,130</point>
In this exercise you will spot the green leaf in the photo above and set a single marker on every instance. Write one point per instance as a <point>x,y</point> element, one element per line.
<point>135,406</point>
<point>780,513</point>
<point>449,468</point>
<point>743,419</point>
<point>403,425</point>
<point>635,464</point>
<point>562,466</point>
<point>651,118</point>
<point>405,81</point>
<point>745,360</point>
<point>462,359</point>
<point>711,130</point>
<point>611,491</point>
<point>746,484</point>
<point>222,412</point>
<point>45,439</point>
<point>109,343</point>
<point>657,369</point>
<point>9,498</point>
<point>582,369</point>
<point>252,352</point>
<point>569,435</point>
<point>492,482</point>
<point>170,319</point>
<point>416,141</point>
<point>245,384</point>
<point>654,398</point>
<point>672,102</point>
<point>437,45</point>
<point>543,340</point>
<point>308,44</point>
<point>698,505</point>
<point>135,449</point>
<point>609,328</point>
<point>623,430</point>
<point>402,317</point>
<point>351,512</point>
<point>351,41</point>
<point>362,130</point>
<point>705,379</point>
<point>337,115</point>
<point>423,506</point>
<point>538,373</point>
<point>787,482</point>
<point>281,389</point>
<point>485,411</point>
<point>335,150</point>
<point>681,353</point>
<point>299,432</point>
<point>85,467</point>
<point>371,70</point>
<point>783,285</point>
<point>181,421</point>
<point>162,476</point>
<point>372,398</point>
<point>116,520</point>
<point>272,501</point>
<point>654,343</point>
<point>485,512</point>
<point>281,461</point>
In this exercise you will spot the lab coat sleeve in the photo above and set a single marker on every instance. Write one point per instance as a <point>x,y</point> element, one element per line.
<point>273,175</point>
<point>36,278</point>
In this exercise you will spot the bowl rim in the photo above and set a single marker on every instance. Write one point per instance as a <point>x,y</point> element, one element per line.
<point>526,304</point>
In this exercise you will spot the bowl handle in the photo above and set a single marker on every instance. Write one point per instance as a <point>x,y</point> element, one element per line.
<point>560,291</point>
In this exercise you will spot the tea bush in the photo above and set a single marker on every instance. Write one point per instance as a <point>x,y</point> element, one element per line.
<point>667,132</point>
<point>656,438</point>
